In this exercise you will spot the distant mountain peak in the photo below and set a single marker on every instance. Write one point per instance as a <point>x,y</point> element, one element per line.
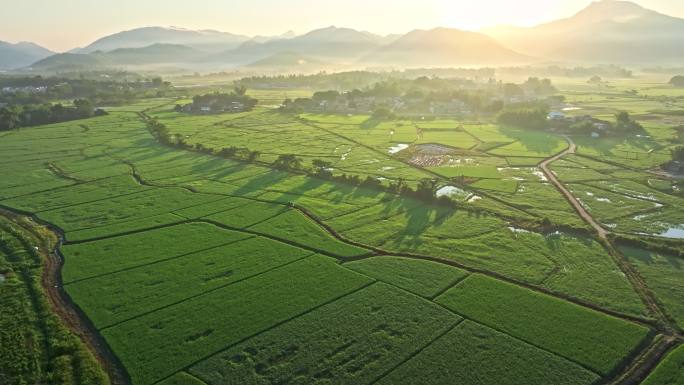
<point>613,10</point>
<point>604,32</point>
<point>145,36</point>
<point>21,54</point>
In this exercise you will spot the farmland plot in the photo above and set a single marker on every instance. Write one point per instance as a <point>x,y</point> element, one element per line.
<point>477,355</point>
<point>424,278</point>
<point>201,326</point>
<point>670,371</point>
<point>87,260</point>
<point>328,344</point>
<point>112,298</point>
<point>584,336</point>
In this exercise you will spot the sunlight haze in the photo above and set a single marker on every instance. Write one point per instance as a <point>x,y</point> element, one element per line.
<point>68,24</point>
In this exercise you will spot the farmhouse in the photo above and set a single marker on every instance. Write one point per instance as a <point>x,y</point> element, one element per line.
<point>556,115</point>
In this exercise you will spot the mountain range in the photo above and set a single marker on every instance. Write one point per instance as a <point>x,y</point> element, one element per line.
<point>607,31</point>
<point>21,54</point>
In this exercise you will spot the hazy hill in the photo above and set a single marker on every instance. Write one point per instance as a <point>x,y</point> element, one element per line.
<point>206,40</point>
<point>444,47</point>
<point>21,54</point>
<point>161,54</point>
<point>288,62</point>
<point>265,39</point>
<point>153,54</point>
<point>65,62</point>
<point>328,44</point>
<point>607,31</point>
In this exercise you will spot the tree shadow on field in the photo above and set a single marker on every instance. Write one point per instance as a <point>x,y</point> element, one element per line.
<point>370,123</point>
<point>533,140</point>
<point>301,190</point>
<point>218,168</point>
<point>140,151</point>
<point>261,182</point>
<point>419,220</point>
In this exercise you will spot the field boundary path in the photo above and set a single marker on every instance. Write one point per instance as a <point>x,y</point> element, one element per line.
<point>584,214</point>
<point>637,370</point>
<point>61,304</point>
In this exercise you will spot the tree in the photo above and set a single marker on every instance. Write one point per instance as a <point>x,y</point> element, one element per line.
<point>525,116</point>
<point>9,118</point>
<point>157,82</point>
<point>287,162</point>
<point>595,80</point>
<point>240,90</point>
<point>253,155</point>
<point>426,188</point>
<point>178,108</point>
<point>623,122</point>
<point>84,107</point>
<point>382,113</point>
<point>678,153</point>
<point>677,81</point>
<point>510,90</point>
<point>539,87</point>
<point>322,167</point>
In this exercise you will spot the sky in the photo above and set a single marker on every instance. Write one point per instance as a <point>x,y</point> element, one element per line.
<point>65,24</point>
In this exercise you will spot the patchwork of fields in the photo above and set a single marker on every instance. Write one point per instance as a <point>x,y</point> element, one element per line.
<point>202,270</point>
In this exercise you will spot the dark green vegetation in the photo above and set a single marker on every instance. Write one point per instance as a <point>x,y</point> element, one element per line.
<point>35,347</point>
<point>269,247</point>
<point>670,371</point>
<point>591,339</point>
<point>475,354</point>
<point>236,101</point>
<point>328,344</point>
<point>664,275</point>
<point>424,278</point>
<point>25,116</point>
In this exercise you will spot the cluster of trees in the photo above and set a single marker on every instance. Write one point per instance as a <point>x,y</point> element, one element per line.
<point>678,154</point>
<point>216,102</point>
<point>625,123</point>
<point>16,116</point>
<point>103,90</point>
<point>525,115</point>
<point>677,81</point>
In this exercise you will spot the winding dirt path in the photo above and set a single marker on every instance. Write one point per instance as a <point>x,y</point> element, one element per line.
<point>572,148</point>
<point>60,302</point>
<point>641,365</point>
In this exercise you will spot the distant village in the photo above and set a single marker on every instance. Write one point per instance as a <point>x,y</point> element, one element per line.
<point>425,97</point>
<point>216,103</point>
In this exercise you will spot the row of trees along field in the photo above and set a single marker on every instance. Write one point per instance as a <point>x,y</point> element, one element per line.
<point>100,88</point>
<point>16,116</point>
<point>425,190</point>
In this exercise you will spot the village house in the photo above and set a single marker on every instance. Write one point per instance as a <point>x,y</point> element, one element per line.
<point>556,115</point>
<point>28,89</point>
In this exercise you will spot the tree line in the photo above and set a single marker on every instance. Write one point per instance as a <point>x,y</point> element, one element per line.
<point>17,116</point>
<point>103,90</point>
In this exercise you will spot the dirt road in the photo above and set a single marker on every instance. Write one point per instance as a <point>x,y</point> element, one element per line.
<point>572,148</point>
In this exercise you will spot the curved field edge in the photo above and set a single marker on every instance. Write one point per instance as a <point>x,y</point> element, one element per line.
<point>41,340</point>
